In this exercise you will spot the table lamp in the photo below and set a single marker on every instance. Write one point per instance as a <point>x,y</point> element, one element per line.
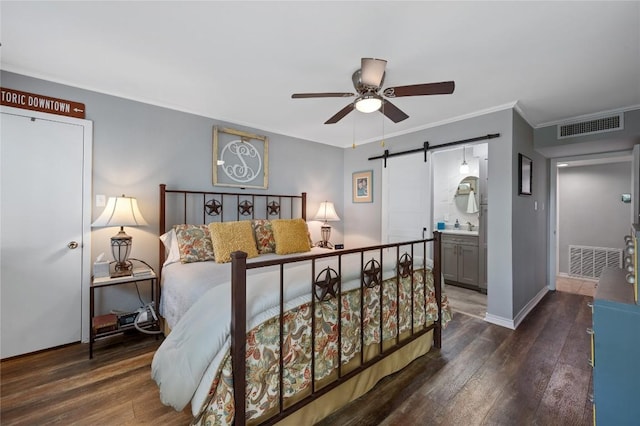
<point>326,213</point>
<point>121,211</point>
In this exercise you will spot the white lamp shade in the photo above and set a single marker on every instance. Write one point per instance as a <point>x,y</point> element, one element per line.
<point>327,212</point>
<point>120,211</point>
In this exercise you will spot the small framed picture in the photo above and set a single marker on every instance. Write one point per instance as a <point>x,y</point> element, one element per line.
<point>363,187</point>
<point>525,175</point>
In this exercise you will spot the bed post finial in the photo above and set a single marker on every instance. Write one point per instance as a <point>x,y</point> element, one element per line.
<point>304,206</point>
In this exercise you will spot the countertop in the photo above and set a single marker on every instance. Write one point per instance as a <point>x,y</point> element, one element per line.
<point>458,231</point>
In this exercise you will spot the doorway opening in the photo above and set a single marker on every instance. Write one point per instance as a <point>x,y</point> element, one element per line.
<point>589,218</point>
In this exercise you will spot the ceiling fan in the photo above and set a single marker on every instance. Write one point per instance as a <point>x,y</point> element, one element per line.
<point>368,83</point>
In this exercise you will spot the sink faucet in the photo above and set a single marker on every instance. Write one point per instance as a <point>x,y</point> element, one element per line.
<point>471,226</point>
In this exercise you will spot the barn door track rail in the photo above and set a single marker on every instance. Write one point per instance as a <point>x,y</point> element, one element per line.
<point>426,147</point>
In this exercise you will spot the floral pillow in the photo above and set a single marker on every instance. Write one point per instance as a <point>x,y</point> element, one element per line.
<point>194,242</point>
<point>263,233</point>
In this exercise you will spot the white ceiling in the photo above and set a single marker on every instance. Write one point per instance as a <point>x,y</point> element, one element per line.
<point>241,61</point>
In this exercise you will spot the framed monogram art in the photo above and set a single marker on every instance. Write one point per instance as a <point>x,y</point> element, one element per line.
<point>240,159</point>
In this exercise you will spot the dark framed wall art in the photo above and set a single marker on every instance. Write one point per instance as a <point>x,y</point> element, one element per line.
<point>525,175</point>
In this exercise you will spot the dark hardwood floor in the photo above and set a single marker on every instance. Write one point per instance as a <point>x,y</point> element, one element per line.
<point>488,375</point>
<point>63,386</point>
<point>483,375</point>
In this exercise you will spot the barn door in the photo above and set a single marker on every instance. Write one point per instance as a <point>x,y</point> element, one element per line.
<point>406,195</point>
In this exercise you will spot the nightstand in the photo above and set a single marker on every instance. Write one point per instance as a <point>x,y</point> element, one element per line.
<point>108,325</point>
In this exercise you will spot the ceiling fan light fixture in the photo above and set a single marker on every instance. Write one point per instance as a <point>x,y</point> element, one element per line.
<point>368,103</point>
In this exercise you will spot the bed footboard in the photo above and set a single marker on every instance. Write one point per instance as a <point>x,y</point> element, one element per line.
<point>327,285</point>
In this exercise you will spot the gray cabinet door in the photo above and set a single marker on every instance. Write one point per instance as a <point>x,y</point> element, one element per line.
<point>460,263</point>
<point>468,264</point>
<point>449,261</point>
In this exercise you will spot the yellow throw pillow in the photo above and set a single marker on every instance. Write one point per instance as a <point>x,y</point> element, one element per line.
<point>291,236</point>
<point>227,237</point>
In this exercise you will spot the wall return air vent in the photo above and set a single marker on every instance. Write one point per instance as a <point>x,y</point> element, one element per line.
<point>588,262</point>
<point>589,127</point>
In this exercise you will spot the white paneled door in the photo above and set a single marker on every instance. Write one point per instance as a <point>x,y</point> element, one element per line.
<point>44,232</point>
<point>406,191</point>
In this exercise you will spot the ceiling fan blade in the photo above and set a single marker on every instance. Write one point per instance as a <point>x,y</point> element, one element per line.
<point>372,71</point>
<point>340,114</point>
<point>322,95</point>
<point>442,88</point>
<point>392,112</point>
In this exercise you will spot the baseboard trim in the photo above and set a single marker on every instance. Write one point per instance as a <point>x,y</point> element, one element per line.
<point>514,323</point>
<point>501,321</point>
<point>529,306</point>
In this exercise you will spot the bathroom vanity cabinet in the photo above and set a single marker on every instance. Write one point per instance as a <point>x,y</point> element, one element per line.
<point>460,265</point>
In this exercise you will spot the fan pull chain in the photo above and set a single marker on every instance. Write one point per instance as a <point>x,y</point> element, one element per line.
<point>383,116</point>
<point>353,143</point>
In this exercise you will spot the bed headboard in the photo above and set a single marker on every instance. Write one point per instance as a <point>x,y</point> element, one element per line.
<point>178,206</point>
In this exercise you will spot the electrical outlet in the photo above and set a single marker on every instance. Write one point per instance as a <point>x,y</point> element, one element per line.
<point>101,200</point>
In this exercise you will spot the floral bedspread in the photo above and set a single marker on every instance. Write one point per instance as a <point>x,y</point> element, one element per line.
<point>262,358</point>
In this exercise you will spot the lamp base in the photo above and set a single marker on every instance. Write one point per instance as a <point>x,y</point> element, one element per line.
<point>324,244</point>
<point>325,231</point>
<point>121,274</point>
<point>122,269</point>
<point>120,249</point>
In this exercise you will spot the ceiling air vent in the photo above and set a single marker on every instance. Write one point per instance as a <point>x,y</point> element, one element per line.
<point>589,127</point>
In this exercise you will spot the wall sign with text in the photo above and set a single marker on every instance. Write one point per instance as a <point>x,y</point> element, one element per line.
<point>34,102</point>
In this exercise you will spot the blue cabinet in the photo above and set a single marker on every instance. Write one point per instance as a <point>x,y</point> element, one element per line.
<point>616,351</point>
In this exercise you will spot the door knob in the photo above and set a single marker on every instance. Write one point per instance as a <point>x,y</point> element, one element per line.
<point>72,245</point>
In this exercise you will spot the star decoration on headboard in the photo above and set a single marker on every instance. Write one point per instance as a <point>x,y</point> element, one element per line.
<point>213,207</point>
<point>327,286</point>
<point>273,208</point>
<point>245,208</point>
<point>372,274</point>
<point>404,266</point>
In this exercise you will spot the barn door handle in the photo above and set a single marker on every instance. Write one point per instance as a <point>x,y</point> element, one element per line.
<point>72,245</point>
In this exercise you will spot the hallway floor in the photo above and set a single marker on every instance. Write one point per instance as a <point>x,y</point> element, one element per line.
<point>576,285</point>
<point>474,303</point>
<point>466,301</point>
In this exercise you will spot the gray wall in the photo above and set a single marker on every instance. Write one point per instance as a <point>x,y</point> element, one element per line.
<point>530,220</point>
<point>590,212</point>
<point>137,146</point>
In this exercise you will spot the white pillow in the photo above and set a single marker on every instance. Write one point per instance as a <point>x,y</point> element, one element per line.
<point>172,251</point>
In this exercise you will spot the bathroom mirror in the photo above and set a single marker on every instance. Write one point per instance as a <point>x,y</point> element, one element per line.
<point>466,185</point>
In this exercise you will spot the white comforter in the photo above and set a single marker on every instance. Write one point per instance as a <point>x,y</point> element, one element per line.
<point>184,284</point>
<point>185,364</point>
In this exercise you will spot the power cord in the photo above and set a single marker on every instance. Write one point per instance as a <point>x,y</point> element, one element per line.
<point>146,312</point>
<point>144,315</point>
